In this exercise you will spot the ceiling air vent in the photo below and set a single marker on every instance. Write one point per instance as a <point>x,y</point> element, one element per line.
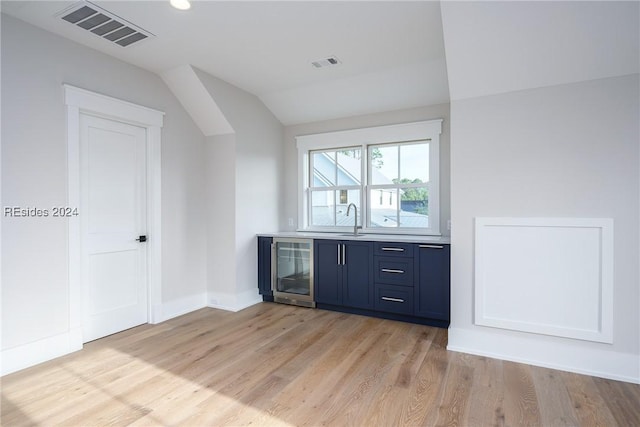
<point>332,60</point>
<point>100,22</point>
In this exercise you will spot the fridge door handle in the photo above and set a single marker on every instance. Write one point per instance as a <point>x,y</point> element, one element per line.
<point>274,263</point>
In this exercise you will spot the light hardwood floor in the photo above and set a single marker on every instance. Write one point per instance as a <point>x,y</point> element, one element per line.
<point>275,364</point>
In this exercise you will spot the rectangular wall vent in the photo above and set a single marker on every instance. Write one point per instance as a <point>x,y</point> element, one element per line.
<point>100,22</point>
<point>325,62</point>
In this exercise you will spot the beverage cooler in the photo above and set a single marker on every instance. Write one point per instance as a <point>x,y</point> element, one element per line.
<point>292,271</point>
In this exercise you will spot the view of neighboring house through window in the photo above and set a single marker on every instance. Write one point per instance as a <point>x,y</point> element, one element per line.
<point>336,181</point>
<point>389,171</point>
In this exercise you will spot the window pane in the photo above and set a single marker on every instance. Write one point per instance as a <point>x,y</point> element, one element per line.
<point>384,164</point>
<point>324,169</point>
<point>352,196</point>
<point>349,166</point>
<point>414,163</point>
<point>323,208</point>
<point>383,207</point>
<point>414,204</point>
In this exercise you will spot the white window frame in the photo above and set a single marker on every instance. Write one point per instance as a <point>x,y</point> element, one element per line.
<point>406,132</point>
<point>336,187</point>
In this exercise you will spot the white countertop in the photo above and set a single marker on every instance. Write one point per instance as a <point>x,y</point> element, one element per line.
<point>365,237</point>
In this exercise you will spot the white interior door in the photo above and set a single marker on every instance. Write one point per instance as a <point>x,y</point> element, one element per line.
<point>113,216</point>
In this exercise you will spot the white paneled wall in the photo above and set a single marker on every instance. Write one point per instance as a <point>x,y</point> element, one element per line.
<point>550,276</point>
<point>567,151</point>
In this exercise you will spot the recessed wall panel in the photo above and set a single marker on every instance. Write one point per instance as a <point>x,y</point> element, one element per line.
<point>550,276</point>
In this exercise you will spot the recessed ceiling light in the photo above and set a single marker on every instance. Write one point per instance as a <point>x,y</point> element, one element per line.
<point>181,4</point>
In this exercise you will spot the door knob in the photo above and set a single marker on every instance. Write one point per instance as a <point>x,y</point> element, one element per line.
<point>141,239</point>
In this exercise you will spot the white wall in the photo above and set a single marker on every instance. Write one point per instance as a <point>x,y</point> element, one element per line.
<point>221,219</point>
<point>441,111</point>
<point>35,288</point>
<point>562,151</point>
<point>258,166</point>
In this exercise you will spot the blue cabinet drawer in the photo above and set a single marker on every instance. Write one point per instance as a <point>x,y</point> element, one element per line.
<point>394,271</point>
<point>394,299</point>
<point>394,249</point>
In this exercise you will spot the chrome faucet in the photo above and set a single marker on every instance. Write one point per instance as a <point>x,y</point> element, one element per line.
<point>355,218</point>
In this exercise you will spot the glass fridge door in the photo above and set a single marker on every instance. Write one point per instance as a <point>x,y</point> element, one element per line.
<point>293,272</point>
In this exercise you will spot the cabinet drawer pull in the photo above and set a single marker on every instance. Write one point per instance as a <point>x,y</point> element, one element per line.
<point>392,299</point>
<point>393,249</point>
<point>432,246</point>
<point>391,270</point>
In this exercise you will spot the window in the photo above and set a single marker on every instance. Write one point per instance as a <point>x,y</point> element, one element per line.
<point>402,171</point>
<point>335,181</point>
<point>389,171</point>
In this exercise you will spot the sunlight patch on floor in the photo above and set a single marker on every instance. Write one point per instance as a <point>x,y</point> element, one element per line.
<point>102,393</point>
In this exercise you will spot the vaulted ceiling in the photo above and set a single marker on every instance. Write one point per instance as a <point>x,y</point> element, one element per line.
<point>393,54</point>
<point>504,46</point>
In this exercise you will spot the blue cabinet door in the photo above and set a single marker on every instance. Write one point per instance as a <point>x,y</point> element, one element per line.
<point>327,278</point>
<point>357,287</point>
<point>264,266</point>
<point>432,292</point>
<point>343,273</point>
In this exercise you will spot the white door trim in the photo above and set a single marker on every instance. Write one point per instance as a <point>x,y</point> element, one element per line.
<point>83,101</point>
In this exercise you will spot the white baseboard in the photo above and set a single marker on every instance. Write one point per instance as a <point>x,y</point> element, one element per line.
<point>175,308</point>
<point>27,355</point>
<point>234,302</point>
<point>561,356</point>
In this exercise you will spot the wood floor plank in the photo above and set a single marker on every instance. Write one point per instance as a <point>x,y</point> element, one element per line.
<point>326,397</point>
<point>617,396</point>
<point>258,364</point>
<point>395,389</point>
<point>280,365</point>
<point>360,397</point>
<point>555,404</point>
<point>589,406</point>
<point>452,405</point>
<point>520,400</point>
<point>55,390</point>
<point>253,402</point>
<point>301,388</point>
<point>486,407</point>
<point>426,385</point>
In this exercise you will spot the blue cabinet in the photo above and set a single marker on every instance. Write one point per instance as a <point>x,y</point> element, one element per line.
<point>357,275</point>
<point>264,266</point>
<point>432,293</point>
<point>327,278</point>
<point>401,281</point>
<point>394,281</point>
<point>343,273</point>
